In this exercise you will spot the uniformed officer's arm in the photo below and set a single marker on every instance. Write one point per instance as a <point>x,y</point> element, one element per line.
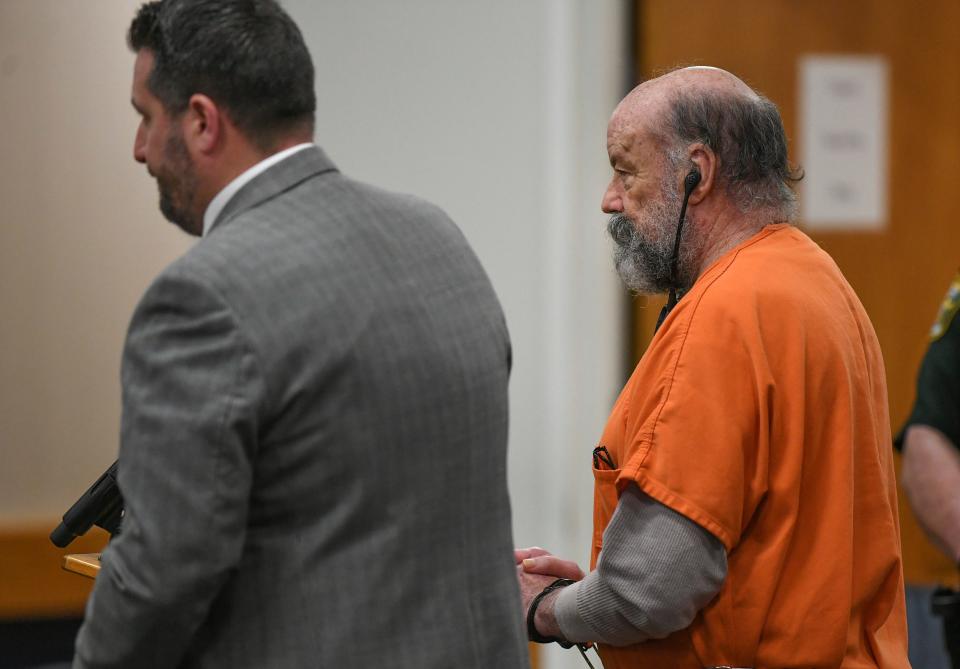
<point>931,478</point>
<point>931,460</point>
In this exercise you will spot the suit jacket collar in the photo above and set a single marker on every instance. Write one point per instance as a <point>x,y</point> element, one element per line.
<point>278,179</point>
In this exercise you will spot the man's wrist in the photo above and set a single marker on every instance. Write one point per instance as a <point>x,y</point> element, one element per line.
<point>544,618</point>
<point>542,625</point>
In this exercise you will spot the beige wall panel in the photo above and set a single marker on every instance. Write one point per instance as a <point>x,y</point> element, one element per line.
<point>80,238</point>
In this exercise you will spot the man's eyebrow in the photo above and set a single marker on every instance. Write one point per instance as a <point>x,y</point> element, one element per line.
<point>136,106</point>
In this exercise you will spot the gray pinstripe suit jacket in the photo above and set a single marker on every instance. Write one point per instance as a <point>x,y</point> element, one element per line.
<point>313,444</point>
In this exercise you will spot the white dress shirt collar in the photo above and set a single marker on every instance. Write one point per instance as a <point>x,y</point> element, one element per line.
<point>221,199</point>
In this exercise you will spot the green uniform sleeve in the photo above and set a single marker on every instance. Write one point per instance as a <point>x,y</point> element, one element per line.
<point>938,383</point>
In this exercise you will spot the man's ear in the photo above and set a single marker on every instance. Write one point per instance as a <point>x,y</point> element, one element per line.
<point>704,160</point>
<point>202,124</point>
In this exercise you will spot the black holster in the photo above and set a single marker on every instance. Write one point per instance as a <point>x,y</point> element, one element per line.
<point>945,603</point>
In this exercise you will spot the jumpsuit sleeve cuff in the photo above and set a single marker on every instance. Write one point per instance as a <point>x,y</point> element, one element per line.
<point>573,627</point>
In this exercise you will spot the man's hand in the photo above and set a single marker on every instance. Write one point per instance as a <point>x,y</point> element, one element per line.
<point>536,569</point>
<point>539,561</point>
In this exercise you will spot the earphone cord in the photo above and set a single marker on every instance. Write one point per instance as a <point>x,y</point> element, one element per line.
<point>689,184</point>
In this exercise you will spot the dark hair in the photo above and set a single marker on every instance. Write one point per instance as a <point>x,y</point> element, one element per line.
<point>748,137</point>
<point>248,56</point>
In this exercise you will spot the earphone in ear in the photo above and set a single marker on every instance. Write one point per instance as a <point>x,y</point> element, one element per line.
<point>690,181</point>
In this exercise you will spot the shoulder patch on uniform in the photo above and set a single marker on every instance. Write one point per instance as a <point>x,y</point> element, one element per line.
<point>948,309</point>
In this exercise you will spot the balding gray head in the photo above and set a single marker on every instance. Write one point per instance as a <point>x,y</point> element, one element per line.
<point>710,106</point>
<point>650,99</point>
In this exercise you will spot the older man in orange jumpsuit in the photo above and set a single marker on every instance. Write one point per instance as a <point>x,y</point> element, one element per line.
<point>745,504</point>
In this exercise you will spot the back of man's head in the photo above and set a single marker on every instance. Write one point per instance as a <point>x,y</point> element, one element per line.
<point>747,134</point>
<point>248,56</point>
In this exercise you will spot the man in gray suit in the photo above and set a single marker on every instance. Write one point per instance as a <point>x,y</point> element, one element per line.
<point>314,397</point>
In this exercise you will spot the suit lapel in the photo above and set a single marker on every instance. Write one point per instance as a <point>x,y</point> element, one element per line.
<point>278,179</point>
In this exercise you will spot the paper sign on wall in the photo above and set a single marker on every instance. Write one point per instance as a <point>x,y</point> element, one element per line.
<point>843,118</point>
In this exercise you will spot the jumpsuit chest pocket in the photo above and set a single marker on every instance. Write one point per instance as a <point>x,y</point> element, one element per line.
<point>605,499</point>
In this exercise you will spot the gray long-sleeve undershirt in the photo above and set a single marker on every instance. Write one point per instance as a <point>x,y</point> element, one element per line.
<point>656,570</point>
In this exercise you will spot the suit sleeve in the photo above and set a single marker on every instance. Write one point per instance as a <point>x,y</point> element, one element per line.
<point>191,392</point>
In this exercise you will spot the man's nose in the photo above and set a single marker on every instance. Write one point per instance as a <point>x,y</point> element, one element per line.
<point>612,203</point>
<point>138,146</point>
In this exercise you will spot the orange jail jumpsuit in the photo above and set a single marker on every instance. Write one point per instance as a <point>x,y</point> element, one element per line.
<point>759,411</point>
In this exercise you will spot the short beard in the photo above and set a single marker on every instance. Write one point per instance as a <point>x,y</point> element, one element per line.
<point>643,253</point>
<point>178,185</point>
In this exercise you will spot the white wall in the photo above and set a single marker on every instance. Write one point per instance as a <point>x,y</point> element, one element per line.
<point>495,110</point>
